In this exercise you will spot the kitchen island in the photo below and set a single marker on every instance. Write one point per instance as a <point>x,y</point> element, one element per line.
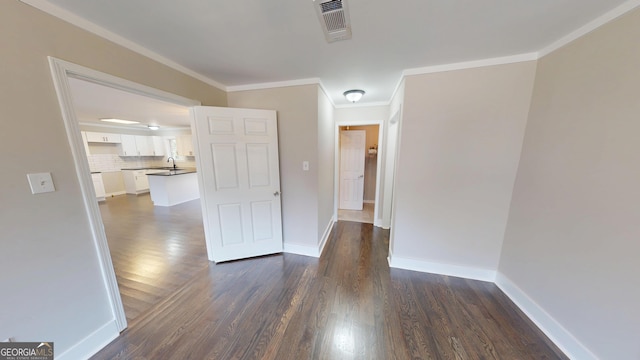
<point>172,187</point>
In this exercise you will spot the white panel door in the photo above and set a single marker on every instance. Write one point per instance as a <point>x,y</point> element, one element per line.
<point>352,148</point>
<point>239,177</point>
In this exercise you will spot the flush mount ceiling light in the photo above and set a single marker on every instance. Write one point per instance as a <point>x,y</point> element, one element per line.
<point>154,127</point>
<point>120,121</point>
<point>353,95</point>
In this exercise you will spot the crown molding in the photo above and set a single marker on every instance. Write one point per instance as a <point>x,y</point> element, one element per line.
<point>80,22</point>
<point>363,104</point>
<point>471,64</point>
<point>589,27</point>
<point>73,19</point>
<point>276,84</point>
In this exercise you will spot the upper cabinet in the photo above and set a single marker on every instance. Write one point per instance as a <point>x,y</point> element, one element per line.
<point>139,145</point>
<point>103,137</point>
<point>144,145</point>
<point>129,147</point>
<point>184,145</point>
<point>158,145</point>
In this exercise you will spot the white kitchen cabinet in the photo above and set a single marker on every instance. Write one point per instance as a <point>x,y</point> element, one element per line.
<point>184,145</point>
<point>144,145</point>
<point>140,145</point>
<point>158,145</point>
<point>98,186</point>
<point>103,137</point>
<point>135,181</point>
<point>128,146</point>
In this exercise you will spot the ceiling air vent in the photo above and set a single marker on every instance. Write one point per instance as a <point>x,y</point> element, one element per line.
<point>334,18</point>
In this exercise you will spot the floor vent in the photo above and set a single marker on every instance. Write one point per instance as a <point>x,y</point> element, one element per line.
<point>334,18</point>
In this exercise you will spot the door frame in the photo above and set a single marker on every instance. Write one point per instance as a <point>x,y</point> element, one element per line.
<point>61,71</point>
<point>336,152</point>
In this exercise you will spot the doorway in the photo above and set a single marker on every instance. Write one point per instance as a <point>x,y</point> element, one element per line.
<point>62,71</point>
<point>358,172</point>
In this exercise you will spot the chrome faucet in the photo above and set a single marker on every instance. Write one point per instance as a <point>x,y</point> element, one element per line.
<point>174,162</point>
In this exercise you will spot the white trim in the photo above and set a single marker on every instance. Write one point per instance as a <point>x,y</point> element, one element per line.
<point>326,93</point>
<point>363,104</point>
<point>589,27</point>
<point>84,24</point>
<point>60,72</point>
<point>442,269</point>
<point>471,64</point>
<point>299,249</point>
<point>368,201</point>
<point>326,234</point>
<point>91,344</point>
<point>116,193</point>
<point>381,224</point>
<point>272,85</point>
<point>560,336</point>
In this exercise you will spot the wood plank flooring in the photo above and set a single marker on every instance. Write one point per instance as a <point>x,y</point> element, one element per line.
<point>155,250</point>
<point>346,305</point>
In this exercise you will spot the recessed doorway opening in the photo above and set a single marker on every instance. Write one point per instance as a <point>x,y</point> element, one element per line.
<point>357,172</point>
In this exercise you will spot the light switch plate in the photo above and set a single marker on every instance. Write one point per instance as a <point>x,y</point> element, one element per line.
<point>305,165</point>
<point>41,183</point>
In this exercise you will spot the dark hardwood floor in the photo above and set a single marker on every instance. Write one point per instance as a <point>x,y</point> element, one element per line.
<point>346,305</point>
<point>155,250</point>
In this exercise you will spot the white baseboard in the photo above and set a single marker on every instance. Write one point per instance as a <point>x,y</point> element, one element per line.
<point>442,269</point>
<point>381,224</point>
<point>91,344</point>
<point>573,348</point>
<point>369,201</point>
<point>325,235</point>
<point>299,249</point>
<point>117,193</point>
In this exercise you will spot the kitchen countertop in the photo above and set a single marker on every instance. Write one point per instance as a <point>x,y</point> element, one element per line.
<point>178,171</point>
<point>154,168</point>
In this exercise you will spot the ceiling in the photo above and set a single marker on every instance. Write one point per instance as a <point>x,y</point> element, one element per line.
<point>93,102</point>
<point>244,42</point>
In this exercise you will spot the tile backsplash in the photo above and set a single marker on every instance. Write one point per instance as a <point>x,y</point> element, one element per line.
<point>113,162</point>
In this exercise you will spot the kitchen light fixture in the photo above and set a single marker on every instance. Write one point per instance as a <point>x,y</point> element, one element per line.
<point>353,95</point>
<point>120,121</point>
<point>154,127</point>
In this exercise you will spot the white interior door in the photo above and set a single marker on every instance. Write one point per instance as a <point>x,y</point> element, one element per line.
<point>352,148</point>
<point>239,179</point>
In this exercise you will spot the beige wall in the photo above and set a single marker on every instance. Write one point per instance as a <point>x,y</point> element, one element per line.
<point>297,108</point>
<point>460,143</point>
<point>52,287</point>
<point>572,240</point>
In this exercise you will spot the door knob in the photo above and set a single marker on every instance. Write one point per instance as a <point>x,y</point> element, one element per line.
<point>276,193</point>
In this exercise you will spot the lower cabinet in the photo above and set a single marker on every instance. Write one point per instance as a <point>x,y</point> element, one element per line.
<point>135,181</point>
<point>98,186</point>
